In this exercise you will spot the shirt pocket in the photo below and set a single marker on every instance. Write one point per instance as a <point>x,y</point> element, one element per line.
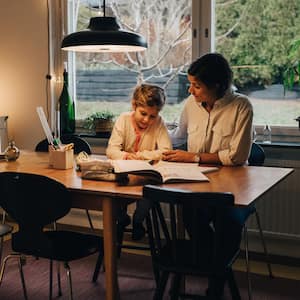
<point>222,136</point>
<point>196,137</point>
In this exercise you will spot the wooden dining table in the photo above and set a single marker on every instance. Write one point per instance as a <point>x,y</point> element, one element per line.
<point>247,183</point>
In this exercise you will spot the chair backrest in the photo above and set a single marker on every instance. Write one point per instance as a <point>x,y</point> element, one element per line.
<point>164,236</point>
<point>33,201</point>
<point>257,155</point>
<point>79,144</point>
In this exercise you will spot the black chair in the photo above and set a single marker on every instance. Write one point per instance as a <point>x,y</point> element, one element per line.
<point>180,256</point>
<point>79,146</point>
<point>256,158</point>
<point>33,202</point>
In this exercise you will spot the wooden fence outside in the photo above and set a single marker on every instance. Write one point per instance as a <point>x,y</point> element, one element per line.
<point>116,85</point>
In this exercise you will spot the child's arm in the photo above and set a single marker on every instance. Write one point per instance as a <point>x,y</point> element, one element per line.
<point>116,143</point>
<point>163,143</point>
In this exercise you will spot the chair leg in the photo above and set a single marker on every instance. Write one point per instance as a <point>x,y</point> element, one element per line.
<point>175,287</point>
<point>264,245</point>
<point>120,237</point>
<point>97,267</point>
<point>159,291</point>
<point>50,278</point>
<point>235,293</point>
<point>3,217</point>
<point>67,267</point>
<point>58,279</point>
<point>22,261</point>
<point>3,266</point>
<point>1,248</point>
<point>156,274</point>
<point>2,238</point>
<point>89,219</point>
<point>247,262</point>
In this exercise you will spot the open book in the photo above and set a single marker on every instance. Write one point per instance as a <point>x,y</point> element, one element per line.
<point>163,171</point>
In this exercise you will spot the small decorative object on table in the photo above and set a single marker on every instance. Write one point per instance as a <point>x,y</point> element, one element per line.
<point>11,152</point>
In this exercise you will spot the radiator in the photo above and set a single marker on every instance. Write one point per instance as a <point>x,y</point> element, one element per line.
<point>279,208</point>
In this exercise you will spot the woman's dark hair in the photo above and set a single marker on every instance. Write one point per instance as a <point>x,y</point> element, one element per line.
<point>214,71</point>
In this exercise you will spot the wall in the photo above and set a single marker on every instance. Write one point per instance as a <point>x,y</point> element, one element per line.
<point>23,66</point>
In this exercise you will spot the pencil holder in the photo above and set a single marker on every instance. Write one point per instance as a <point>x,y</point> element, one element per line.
<point>60,159</point>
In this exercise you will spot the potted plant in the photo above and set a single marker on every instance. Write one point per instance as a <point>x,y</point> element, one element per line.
<point>101,121</point>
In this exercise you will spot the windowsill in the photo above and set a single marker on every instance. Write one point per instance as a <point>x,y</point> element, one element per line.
<point>280,144</point>
<point>102,135</point>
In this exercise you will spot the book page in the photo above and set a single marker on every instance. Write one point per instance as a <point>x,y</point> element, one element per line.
<point>180,172</point>
<point>128,166</point>
<point>202,169</point>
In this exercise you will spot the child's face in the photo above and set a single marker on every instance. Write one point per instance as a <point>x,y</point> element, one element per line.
<point>144,116</point>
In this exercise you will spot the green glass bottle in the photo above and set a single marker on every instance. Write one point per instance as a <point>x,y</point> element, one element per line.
<point>66,109</point>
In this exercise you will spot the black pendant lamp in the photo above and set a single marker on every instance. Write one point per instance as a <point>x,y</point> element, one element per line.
<point>104,35</point>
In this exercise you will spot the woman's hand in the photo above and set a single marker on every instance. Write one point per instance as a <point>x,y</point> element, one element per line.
<point>178,155</point>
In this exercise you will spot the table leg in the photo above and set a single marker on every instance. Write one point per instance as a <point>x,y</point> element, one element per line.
<point>110,251</point>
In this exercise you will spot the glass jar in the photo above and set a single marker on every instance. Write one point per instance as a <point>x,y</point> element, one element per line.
<point>11,152</point>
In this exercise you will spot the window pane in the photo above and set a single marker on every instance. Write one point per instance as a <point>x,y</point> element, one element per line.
<point>106,81</point>
<point>255,36</point>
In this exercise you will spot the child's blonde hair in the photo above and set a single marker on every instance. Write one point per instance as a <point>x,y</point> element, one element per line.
<point>149,95</point>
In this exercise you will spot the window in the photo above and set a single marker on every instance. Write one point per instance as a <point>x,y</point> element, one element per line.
<point>106,81</point>
<point>253,35</point>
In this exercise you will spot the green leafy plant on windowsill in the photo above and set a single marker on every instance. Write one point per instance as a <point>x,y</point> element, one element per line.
<point>101,121</point>
<point>291,75</point>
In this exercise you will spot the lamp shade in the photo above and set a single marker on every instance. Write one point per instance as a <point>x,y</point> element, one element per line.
<point>104,35</point>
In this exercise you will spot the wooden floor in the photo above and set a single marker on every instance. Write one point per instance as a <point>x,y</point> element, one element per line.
<point>257,266</point>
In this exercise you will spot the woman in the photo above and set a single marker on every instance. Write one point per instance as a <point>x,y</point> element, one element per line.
<point>216,124</point>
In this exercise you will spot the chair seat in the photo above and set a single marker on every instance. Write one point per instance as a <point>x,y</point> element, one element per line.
<point>5,229</point>
<point>60,245</point>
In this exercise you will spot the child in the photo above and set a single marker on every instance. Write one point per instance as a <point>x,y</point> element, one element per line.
<point>140,134</point>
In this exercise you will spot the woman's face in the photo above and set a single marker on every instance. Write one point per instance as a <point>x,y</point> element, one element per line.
<point>144,116</point>
<point>199,90</point>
